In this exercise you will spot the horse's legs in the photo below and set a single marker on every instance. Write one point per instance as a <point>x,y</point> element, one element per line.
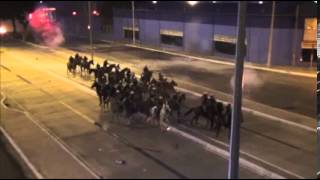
<point>178,115</point>
<point>195,118</point>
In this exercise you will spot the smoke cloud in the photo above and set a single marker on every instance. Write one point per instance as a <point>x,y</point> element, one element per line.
<point>250,80</point>
<point>43,24</point>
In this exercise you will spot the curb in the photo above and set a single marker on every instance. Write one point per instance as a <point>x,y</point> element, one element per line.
<point>27,167</point>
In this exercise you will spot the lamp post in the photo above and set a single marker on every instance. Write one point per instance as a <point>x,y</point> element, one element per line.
<point>233,171</point>
<point>133,32</point>
<point>3,31</point>
<point>271,35</point>
<point>90,28</point>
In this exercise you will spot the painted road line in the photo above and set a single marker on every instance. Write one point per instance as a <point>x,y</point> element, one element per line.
<point>24,158</point>
<point>228,63</point>
<point>56,139</point>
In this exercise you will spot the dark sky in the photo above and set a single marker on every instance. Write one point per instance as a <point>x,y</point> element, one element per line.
<point>15,8</point>
<point>18,8</point>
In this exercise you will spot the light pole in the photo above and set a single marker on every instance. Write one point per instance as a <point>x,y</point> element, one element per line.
<point>233,171</point>
<point>271,34</point>
<point>90,29</point>
<point>294,44</point>
<point>133,33</point>
<point>3,31</point>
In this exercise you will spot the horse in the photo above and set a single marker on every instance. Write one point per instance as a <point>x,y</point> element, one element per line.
<point>71,66</point>
<point>199,111</point>
<point>146,75</point>
<point>176,102</point>
<point>86,66</point>
<point>164,116</point>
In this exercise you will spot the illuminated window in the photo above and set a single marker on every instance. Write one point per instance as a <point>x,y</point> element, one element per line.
<point>171,37</point>
<point>128,33</point>
<point>225,44</point>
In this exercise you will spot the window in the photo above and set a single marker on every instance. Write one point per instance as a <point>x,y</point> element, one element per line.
<point>171,37</point>
<point>225,44</point>
<point>106,28</point>
<point>308,55</point>
<point>128,33</point>
<point>225,47</point>
<point>309,43</point>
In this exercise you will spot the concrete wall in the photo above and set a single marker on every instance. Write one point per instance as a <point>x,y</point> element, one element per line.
<point>199,32</point>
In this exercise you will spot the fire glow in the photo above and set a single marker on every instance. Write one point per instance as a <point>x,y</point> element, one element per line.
<point>46,27</point>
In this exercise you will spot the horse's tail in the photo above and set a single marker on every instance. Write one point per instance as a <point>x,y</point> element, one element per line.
<point>189,111</point>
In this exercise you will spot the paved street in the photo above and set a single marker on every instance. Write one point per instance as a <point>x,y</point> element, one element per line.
<point>272,89</point>
<point>35,81</point>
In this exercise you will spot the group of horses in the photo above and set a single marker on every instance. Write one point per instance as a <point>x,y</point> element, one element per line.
<point>123,93</point>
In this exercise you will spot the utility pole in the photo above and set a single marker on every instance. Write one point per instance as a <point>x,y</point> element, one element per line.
<point>90,28</point>
<point>271,34</point>
<point>133,32</point>
<point>294,48</point>
<point>233,170</point>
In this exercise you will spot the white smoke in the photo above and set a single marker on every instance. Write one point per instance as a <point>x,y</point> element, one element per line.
<point>251,80</point>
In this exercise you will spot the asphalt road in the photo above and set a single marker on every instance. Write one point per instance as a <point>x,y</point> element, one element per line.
<point>45,90</point>
<point>287,92</point>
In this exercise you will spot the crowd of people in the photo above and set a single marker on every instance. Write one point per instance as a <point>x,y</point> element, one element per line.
<point>122,92</point>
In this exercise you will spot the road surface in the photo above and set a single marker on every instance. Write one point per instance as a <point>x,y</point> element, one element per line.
<point>287,92</point>
<point>35,81</point>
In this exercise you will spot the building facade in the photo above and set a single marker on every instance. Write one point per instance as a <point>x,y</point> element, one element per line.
<point>211,31</point>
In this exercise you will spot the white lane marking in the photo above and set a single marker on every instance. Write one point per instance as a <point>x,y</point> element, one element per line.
<point>56,139</point>
<point>271,117</point>
<point>78,113</point>
<point>33,169</point>
<point>217,150</point>
<point>309,75</point>
<point>251,156</point>
<point>225,154</point>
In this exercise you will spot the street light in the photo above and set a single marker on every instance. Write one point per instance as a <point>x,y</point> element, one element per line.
<point>260,2</point>
<point>74,13</point>
<point>192,3</point>
<point>154,2</point>
<point>95,12</point>
<point>90,29</point>
<point>3,31</point>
